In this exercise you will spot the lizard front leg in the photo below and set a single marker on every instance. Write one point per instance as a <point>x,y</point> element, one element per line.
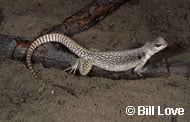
<point>139,69</point>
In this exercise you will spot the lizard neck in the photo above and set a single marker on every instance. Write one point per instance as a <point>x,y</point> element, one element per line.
<point>147,51</point>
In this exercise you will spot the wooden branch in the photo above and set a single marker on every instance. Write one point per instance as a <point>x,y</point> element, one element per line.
<point>1,16</point>
<point>86,17</point>
<point>50,57</point>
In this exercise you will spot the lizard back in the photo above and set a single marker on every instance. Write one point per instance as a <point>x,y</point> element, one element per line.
<point>118,60</point>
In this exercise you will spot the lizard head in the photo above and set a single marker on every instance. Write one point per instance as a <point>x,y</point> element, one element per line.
<point>156,45</point>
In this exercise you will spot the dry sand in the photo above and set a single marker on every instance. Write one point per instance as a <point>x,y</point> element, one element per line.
<point>93,99</point>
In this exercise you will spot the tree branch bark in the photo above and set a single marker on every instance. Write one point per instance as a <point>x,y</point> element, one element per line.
<point>86,17</point>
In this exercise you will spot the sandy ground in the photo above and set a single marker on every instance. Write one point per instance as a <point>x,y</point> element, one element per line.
<point>94,99</point>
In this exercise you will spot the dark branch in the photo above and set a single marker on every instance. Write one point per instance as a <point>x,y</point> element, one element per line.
<point>86,17</point>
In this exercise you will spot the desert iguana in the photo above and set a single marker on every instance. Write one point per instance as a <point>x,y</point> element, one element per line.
<point>110,60</point>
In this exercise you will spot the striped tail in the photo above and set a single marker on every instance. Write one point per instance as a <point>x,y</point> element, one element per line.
<point>60,38</point>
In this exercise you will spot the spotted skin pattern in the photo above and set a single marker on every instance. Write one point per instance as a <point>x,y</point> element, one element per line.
<point>110,60</point>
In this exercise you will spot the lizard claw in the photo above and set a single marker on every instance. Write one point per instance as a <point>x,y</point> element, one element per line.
<point>72,69</point>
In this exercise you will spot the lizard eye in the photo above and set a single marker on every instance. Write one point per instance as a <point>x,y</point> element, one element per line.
<point>158,45</point>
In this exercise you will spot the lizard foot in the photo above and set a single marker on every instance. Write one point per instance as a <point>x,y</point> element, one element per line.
<point>73,68</point>
<point>139,71</point>
<point>84,66</point>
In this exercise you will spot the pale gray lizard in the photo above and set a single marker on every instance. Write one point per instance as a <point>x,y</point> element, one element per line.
<point>110,60</point>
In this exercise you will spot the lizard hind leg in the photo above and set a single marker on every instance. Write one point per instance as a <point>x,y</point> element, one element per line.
<point>82,64</point>
<point>85,66</point>
<point>74,67</point>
